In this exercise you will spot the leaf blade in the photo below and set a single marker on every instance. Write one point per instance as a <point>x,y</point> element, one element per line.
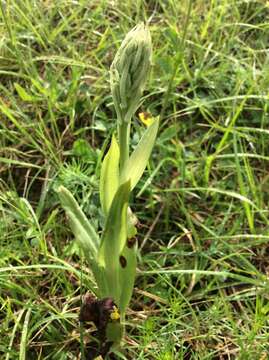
<point>109,178</point>
<point>81,227</point>
<point>138,160</point>
<point>127,275</point>
<point>114,239</point>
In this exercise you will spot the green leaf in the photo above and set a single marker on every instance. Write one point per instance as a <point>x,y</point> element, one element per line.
<point>109,179</point>
<point>137,162</point>
<point>127,275</point>
<point>23,94</point>
<point>114,332</point>
<point>81,227</point>
<point>83,150</point>
<point>131,223</point>
<point>114,239</point>
<point>86,236</point>
<point>101,280</point>
<point>25,334</point>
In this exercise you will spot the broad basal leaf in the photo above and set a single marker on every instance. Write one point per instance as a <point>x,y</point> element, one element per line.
<point>114,239</point>
<point>127,274</point>
<point>81,226</point>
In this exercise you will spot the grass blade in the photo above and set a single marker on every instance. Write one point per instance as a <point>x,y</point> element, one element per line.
<point>23,343</point>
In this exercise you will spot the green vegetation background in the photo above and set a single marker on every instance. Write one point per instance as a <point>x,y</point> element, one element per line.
<point>202,284</point>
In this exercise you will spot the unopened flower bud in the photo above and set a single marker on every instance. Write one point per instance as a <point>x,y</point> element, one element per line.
<point>129,71</point>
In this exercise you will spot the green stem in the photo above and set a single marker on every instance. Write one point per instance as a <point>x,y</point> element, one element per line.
<point>124,133</point>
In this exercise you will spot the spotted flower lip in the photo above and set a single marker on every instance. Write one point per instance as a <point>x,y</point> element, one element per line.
<point>129,71</point>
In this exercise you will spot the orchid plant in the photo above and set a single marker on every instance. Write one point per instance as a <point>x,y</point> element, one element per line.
<point>112,256</point>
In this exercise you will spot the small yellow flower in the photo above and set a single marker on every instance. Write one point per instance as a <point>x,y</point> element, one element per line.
<point>146,118</point>
<point>115,315</point>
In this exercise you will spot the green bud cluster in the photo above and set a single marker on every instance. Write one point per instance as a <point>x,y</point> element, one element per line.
<point>129,71</point>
